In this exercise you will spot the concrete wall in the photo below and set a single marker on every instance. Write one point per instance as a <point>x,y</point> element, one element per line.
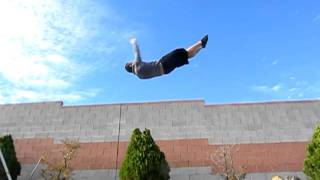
<point>179,153</point>
<point>221,124</point>
<point>277,128</point>
<point>193,173</point>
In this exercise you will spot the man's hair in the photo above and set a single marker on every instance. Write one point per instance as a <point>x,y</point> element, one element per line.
<point>128,67</point>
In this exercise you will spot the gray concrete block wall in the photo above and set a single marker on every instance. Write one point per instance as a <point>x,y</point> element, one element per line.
<point>190,173</point>
<point>268,122</point>
<point>226,123</point>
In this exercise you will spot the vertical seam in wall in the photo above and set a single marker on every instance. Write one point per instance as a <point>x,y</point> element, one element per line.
<point>119,127</point>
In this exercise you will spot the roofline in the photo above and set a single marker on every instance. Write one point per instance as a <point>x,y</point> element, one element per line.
<point>143,103</point>
<point>174,101</point>
<point>33,103</point>
<point>266,102</point>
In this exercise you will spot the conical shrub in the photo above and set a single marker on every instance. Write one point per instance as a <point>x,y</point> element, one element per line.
<point>312,161</point>
<point>9,153</point>
<point>144,160</point>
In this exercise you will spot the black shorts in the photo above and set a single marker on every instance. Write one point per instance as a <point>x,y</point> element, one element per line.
<point>174,59</point>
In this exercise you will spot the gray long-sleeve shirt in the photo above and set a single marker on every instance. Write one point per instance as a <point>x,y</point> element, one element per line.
<point>144,70</point>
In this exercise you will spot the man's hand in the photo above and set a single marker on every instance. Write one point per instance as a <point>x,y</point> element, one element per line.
<point>133,41</point>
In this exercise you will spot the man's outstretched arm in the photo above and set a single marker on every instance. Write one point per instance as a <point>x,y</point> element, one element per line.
<point>136,50</point>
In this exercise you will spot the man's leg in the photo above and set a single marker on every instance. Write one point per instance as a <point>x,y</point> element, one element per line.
<point>195,48</point>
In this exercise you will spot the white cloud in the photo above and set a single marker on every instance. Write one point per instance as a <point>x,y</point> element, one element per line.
<point>316,18</point>
<point>266,89</point>
<point>260,88</point>
<point>293,89</point>
<point>276,87</point>
<point>292,78</point>
<point>44,47</point>
<point>275,62</point>
<point>16,95</point>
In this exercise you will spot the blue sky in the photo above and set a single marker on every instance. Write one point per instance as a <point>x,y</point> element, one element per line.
<point>75,51</point>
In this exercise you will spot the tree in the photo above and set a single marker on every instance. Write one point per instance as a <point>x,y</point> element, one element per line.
<point>222,159</point>
<point>144,160</point>
<point>61,170</point>
<point>312,161</point>
<point>9,153</point>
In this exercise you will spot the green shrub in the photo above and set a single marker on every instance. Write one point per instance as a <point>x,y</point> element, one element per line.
<point>144,160</point>
<point>9,153</point>
<point>312,162</point>
<point>2,172</point>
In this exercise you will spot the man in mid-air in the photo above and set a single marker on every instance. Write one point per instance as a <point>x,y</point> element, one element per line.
<point>166,64</point>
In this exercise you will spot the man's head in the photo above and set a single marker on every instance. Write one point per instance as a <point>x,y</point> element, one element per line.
<point>128,67</point>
